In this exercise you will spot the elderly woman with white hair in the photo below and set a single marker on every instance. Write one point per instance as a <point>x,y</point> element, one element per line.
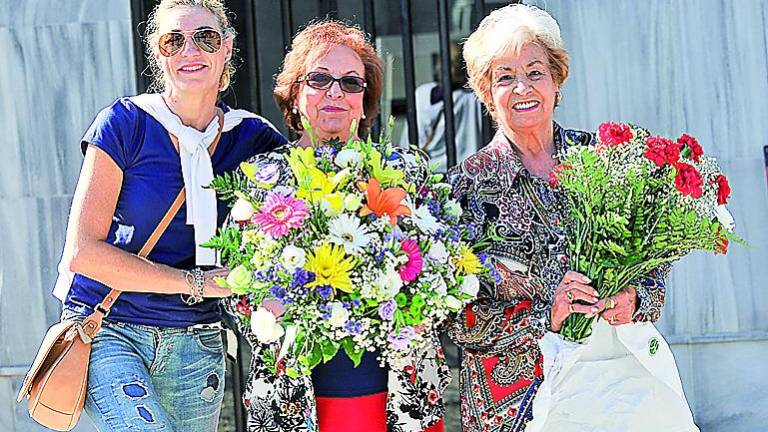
<point>517,65</point>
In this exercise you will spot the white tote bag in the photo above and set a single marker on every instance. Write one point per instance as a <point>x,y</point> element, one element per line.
<point>623,379</point>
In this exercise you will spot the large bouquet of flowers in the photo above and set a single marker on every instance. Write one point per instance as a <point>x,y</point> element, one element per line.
<point>635,202</point>
<point>358,241</point>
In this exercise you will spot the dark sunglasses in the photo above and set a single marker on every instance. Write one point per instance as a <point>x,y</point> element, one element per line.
<point>208,40</point>
<point>324,81</point>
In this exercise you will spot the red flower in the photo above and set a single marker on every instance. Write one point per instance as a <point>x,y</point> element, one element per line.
<point>661,151</point>
<point>243,308</point>
<point>686,140</point>
<point>433,397</point>
<point>721,242</point>
<point>553,179</point>
<point>614,133</point>
<point>688,181</point>
<point>723,189</point>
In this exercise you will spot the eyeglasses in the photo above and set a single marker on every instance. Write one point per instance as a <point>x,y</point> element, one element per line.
<point>208,40</point>
<point>324,81</point>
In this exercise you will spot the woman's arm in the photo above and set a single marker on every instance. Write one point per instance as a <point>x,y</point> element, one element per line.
<point>90,218</point>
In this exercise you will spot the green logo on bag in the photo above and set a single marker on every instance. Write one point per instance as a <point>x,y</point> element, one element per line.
<point>653,345</point>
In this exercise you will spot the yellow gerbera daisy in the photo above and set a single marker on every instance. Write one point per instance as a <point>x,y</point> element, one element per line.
<point>468,262</point>
<point>330,267</point>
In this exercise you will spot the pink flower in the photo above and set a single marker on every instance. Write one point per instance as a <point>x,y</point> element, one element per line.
<point>614,133</point>
<point>279,213</point>
<point>410,270</point>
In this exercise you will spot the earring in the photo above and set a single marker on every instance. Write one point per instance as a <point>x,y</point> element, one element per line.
<point>558,98</point>
<point>294,110</point>
<point>362,117</point>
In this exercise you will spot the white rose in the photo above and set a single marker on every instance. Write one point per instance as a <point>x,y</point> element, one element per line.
<point>242,210</point>
<point>293,258</point>
<point>453,303</point>
<point>438,252</point>
<point>339,315</point>
<point>264,325</point>
<point>724,217</point>
<point>389,283</point>
<point>348,158</point>
<point>471,285</point>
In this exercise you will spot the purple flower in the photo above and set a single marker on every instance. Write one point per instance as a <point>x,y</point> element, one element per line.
<point>434,207</point>
<point>353,327</point>
<point>400,341</point>
<point>325,291</point>
<point>277,292</point>
<point>301,277</point>
<point>387,309</point>
<point>355,303</point>
<point>267,174</point>
<point>327,152</point>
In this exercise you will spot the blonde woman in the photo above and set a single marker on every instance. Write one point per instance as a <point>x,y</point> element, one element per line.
<point>158,361</point>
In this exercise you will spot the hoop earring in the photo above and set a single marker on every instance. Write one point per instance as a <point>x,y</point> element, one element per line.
<point>294,110</point>
<point>558,98</point>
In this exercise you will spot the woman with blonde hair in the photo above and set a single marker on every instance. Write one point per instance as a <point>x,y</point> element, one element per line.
<point>517,65</point>
<point>157,361</point>
<point>331,78</point>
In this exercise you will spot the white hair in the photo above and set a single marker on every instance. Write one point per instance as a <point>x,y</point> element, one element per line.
<point>506,30</point>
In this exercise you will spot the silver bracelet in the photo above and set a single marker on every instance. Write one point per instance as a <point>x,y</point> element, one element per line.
<point>196,281</point>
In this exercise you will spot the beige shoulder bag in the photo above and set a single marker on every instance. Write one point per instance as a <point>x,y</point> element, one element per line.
<point>57,381</point>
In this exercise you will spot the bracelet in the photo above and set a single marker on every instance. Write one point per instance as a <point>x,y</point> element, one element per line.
<point>196,281</point>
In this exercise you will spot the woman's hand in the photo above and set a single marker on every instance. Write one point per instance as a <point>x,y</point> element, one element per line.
<point>212,289</point>
<point>620,308</point>
<point>573,295</point>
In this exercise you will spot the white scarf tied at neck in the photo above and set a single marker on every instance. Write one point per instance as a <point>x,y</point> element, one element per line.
<point>196,166</point>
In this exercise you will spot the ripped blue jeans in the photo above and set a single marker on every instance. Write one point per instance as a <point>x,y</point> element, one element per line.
<point>144,378</point>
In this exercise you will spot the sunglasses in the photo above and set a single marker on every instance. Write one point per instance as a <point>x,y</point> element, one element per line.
<point>208,40</point>
<point>324,81</point>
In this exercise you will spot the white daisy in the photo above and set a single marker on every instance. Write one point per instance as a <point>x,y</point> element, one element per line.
<point>425,221</point>
<point>345,230</point>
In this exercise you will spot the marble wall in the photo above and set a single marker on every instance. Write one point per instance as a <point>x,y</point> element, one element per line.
<point>695,66</point>
<point>60,63</point>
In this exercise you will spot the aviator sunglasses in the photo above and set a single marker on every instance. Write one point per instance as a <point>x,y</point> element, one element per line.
<point>324,81</point>
<point>208,40</point>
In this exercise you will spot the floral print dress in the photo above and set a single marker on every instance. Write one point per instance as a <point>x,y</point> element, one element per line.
<point>501,367</point>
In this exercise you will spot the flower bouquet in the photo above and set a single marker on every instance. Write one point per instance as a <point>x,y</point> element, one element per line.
<point>635,202</point>
<point>358,242</point>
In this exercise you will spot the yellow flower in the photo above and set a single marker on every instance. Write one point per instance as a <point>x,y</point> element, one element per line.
<point>314,185</point>
<point>330,267</point>
<point>379,171</point>
<point>301,160</point>
<point>468,262</point>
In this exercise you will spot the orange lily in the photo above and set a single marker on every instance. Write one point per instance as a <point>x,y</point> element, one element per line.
<point>389,201</point>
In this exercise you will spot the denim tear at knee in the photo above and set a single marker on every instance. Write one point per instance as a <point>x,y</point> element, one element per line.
<point>145,413</point>
<point>135,390</point>
<point>211,387</point>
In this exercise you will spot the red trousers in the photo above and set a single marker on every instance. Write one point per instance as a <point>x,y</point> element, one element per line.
<point>357,414</point>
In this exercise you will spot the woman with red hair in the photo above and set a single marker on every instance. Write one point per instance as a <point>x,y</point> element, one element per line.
<point>331,78</point>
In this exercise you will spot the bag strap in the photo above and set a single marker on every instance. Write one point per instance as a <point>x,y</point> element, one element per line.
<point>92,323</point>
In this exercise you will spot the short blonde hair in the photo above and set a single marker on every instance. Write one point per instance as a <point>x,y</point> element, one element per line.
<point>215,7</point>
<point>313,43</point>
<point>508,29</point>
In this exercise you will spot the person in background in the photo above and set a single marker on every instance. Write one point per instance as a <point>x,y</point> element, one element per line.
<point>158,361</point>
<point>467,112</point>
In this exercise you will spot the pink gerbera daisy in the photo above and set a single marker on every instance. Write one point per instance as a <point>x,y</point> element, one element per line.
<point>280,213</point>
<point>410,270</point>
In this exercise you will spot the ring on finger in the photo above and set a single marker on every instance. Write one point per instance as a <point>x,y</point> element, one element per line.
<point>612,319</point>
<point>569,295</point>
<point>570,308</point>
<point>610,303</point>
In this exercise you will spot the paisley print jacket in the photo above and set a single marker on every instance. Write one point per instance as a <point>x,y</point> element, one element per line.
<point>501,364</point>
